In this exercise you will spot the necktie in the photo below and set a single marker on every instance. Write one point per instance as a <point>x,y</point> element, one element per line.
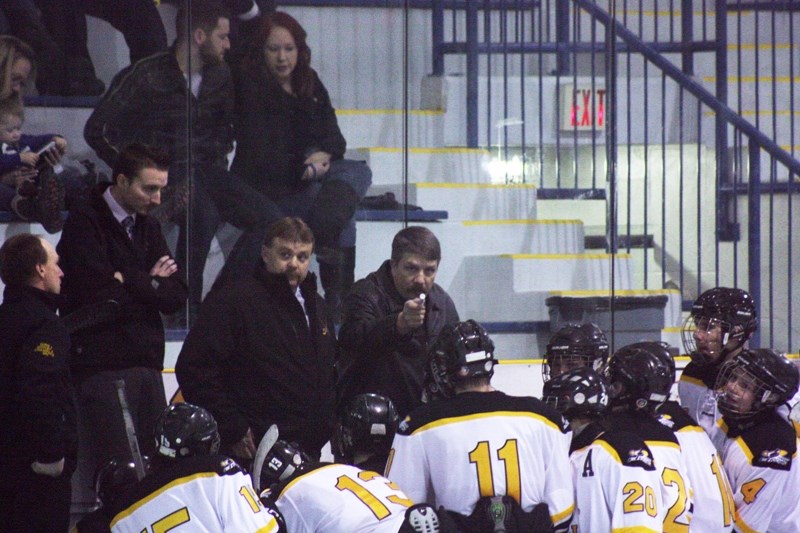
<point>127,223</point>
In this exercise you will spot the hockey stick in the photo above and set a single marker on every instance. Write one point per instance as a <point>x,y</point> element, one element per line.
<point>92,315</point>
<point>267,442</point>
<point>130,431</point>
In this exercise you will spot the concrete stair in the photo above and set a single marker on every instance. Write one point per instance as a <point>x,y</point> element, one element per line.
<point>513,287</point>
<point>436,165</point>
<point>384,127</point>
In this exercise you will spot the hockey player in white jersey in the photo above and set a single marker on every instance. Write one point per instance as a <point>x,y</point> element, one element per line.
<point>476,443</point>
<point>318,497</point>
<point>639,378</point>
<point>721,321</point>
<point>713,501</point>
<point>365,428</point>
<point>760,451</point>
<point>574,346</point>
<point>190,486</point>
<point>617,486</point>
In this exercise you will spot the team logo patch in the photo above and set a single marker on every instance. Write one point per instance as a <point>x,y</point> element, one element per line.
<point>640,456</point>
<point>45,349</point>
<point>666,420</point>
<point>404,424</point>
<point>776,457</point>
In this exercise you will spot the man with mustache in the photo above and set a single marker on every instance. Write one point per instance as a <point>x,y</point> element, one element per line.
<point>389,320</point>
<point>263,349</point>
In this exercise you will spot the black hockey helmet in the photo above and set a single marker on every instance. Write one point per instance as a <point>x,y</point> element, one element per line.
<point>114,477</point>
<point>733,311</point>
<point>283,461</point>
<point>367,424</point>
<point>640,375</point>
<point>755,381</point>
<point>184,430</point>
<point>461,351</point>
<point>575,345</point>
<point>580,392</point>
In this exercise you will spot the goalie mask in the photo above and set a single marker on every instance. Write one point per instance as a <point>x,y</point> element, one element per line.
<point>367,424</point>
<point>574,346</point>
<point>581,392</point>
<point>753,382</point>
<point>462,351</point>
<point>183,430</point>
<point>640,375</point>
<point>721,321</point>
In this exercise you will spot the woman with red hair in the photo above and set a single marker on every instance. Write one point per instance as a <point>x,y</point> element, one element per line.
<point>289,147</point>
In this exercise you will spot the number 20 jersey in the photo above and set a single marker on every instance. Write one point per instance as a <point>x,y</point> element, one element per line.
<point>454,451</point>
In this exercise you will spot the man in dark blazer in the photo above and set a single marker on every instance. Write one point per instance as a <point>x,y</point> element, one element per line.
<point>263,349</point>
<point>112,250</point>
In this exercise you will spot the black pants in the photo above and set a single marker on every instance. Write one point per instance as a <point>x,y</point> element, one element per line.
<point>101,429</point>
<point>217,196</point>
<point>31,502</point>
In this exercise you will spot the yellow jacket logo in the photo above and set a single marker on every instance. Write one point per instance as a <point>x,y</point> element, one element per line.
<point>45,349</point>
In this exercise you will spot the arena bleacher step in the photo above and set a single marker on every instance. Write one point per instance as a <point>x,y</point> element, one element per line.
<point>438,165</point>
<point>514,287</point>
<point>384,127</point>
<point>470,201</point>
<point>460,239</point>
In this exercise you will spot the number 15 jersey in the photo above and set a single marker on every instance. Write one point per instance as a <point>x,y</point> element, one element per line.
<point>457,450</point>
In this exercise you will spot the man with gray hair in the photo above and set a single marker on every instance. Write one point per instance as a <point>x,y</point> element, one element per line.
<point>389,320</point>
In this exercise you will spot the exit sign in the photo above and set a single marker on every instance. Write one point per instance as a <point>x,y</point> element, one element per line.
<point>583,107</point>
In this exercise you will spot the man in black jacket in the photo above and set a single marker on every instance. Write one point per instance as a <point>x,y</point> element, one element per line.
<point>263,349</point>
<point>390,318</point>
<point>37,401</point>
<point>112,250</point>
<point>147,102</point>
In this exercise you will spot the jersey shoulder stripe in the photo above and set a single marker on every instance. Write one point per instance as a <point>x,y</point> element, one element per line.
<point>177,472</point>
<point>643,425</point>
<point>701,376</point>
<point>769,444</point>
<point>295,480</point>
<point>478,405</point>
<point>672,416</point>
<point>628,449</point>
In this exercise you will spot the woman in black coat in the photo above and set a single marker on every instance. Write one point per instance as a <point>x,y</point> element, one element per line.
<point>289,147</point>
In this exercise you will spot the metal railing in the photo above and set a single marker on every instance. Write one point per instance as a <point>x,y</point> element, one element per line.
<point>713,183</point>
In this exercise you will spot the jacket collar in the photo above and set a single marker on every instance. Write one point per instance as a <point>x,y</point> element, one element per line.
<point>49,299</point>
<point>278,284</point>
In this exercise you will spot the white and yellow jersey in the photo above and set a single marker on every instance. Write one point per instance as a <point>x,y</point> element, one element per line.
<point>201,494</point>
<point>337,497</point>
<point>452,452</point>
<point>699,400</point>
<point>713,501</point>
<point>617,486</point>
<point>761,463</point>
<point>676,487</point>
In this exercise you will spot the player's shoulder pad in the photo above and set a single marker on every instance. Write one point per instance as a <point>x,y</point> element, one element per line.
<point>630,448</point>
<point>672,416</point>
<point>645,426</point>
<point>694,373</point>
<point>468,404</point>
<point>218,464</point>
<point>771,443</point>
